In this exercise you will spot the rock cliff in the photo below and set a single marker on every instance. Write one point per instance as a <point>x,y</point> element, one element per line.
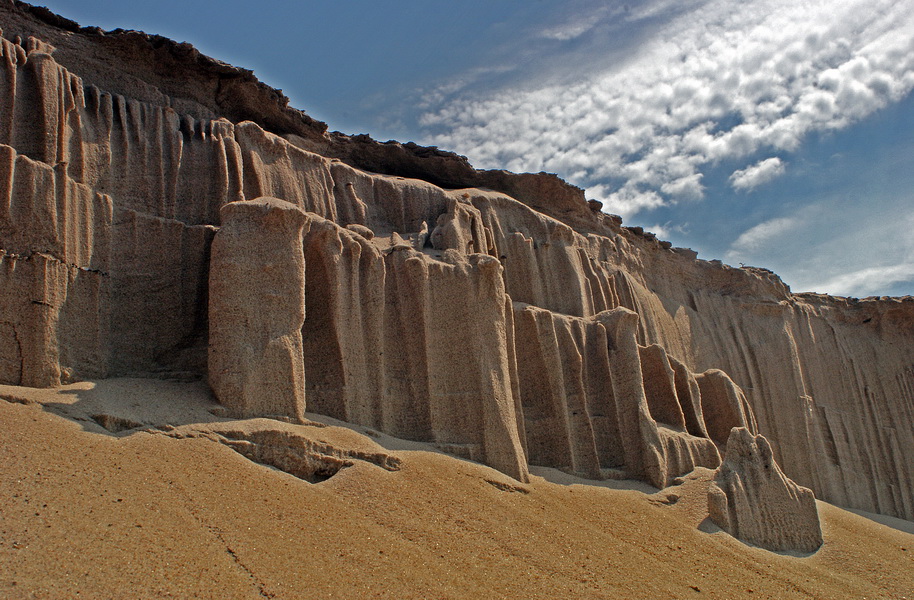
<point>498,316</point>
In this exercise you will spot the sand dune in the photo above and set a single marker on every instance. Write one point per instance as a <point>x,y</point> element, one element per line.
<point>142,513</point>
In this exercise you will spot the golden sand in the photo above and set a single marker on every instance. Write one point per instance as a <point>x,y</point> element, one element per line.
<point>87,513</point>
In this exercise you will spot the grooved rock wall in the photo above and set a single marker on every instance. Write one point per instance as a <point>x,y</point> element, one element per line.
<point>426,307</point>
<point>415,346</point>
<point>586,399</point>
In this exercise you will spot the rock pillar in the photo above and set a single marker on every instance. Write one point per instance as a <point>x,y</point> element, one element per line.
<point>257,309</point>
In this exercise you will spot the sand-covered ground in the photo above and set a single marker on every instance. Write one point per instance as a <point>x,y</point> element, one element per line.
<point>160,504</point>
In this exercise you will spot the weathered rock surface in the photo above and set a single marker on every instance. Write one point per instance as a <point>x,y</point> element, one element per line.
<point>585,399</point>
<point>753,500</point>
<point>257,309</point>
<point>284,448</point>
<point>723,405</point>
<point>426,308</point>
<point>417,347</point>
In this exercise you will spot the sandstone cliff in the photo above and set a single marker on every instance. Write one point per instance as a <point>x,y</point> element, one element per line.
<point>498,316</point>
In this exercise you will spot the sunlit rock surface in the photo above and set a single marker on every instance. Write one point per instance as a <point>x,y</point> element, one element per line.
<point>499,316</point>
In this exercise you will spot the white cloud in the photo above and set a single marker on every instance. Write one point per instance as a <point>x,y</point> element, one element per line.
<point>873,257</point>
<point>665,230</point>
<point>688,187</point>
<point>626,201</point>
<point>866,282</point>
<point>760,173</point>
<point>755,238</point>
<point>718,80</point>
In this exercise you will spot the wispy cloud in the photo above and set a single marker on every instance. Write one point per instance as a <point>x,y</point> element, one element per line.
<point>722,80</point>
<point>889,247</point>
<point>760,173</point>
<point>836,248</point>
<point>754,238</point>
<point>867,282</point>
<point>575,27</point>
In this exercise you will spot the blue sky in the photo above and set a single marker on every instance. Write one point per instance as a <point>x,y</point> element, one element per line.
<point>773,133</point>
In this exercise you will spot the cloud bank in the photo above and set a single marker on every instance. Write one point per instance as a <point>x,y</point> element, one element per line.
<point>715,83</point>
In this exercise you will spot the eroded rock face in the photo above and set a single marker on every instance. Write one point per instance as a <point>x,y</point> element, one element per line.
<point>285,449</point>
<point>415,346</point>
<point>723,405</point>
<point>754,501</point>
<point>257,309</point>
<point>111,185</point>
<point>654,452</point>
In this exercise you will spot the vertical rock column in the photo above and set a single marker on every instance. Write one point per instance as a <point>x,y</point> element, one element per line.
<point>257,309</point>
<point>644,452</point>
<point>724,405</point>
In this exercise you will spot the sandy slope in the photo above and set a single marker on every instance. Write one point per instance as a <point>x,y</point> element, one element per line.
<point>88,513</point>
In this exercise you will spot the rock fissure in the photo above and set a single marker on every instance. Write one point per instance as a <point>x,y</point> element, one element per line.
<point>50,256</point>
<point>18,356</point>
